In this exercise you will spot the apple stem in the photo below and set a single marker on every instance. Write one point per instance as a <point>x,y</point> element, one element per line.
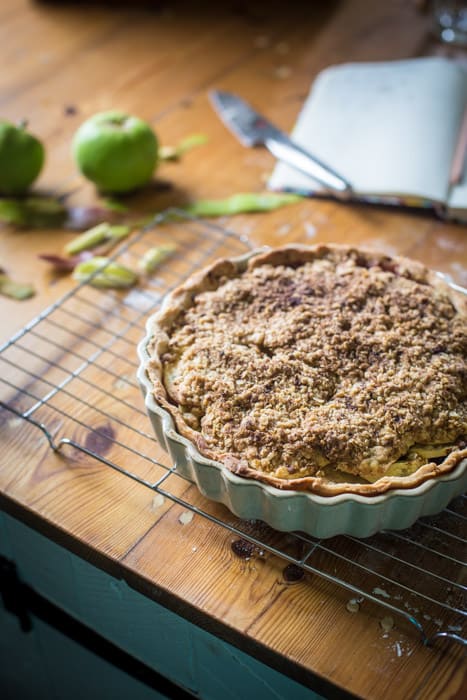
<point>118,121</point>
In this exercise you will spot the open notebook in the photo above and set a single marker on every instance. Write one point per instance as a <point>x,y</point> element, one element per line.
<point>393,129</point>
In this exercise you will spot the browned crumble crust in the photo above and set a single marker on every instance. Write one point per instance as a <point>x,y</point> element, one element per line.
<point>313,360</point>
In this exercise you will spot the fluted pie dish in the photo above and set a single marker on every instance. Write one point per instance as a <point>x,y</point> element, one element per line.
<point>318,388</point>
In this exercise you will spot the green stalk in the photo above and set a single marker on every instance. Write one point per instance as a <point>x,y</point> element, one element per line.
<point>14,290</point>
<point>241,203</point>
<point>33,212</point>
<point>95,236</point>
<point>153,257</point>
<point>104,273</point>
<point>176,152</point>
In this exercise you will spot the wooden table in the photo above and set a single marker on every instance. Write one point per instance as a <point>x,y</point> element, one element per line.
<point>63,63</point>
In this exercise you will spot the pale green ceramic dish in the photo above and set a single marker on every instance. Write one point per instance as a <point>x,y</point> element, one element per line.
<point>319,516</point>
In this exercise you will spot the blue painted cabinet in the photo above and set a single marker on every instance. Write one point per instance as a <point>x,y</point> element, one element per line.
<point>45,663</point>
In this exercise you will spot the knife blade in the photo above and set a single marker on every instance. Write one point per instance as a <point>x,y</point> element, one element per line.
<point>252,129</point>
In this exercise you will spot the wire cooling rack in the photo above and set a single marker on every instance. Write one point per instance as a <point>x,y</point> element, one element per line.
<point>71,372</point>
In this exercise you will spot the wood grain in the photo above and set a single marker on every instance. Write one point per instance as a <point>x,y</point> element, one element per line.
<point>160,65</point>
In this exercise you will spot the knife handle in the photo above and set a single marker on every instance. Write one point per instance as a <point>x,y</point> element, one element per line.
<point>286,150</point>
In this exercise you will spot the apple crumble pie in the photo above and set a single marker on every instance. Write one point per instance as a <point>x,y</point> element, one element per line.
<point>327,369</point>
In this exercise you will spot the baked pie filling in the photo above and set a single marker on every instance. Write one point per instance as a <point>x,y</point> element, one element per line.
<point>327,369</point>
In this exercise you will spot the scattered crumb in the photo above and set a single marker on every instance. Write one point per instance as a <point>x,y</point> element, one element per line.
<point>455,628</point>
<point>353,605</point>
<point>282,72</point>
<point>261,42</point>
<point>136,300</point>
<point>157,501</point>
<point>448,244</point>
<point>14,422</point>
<point>426,617</point>
<point>284,229</point>
<point>257,159</point>
<point>310,230</point>
<point>398,649</point>
<point>185,518</point>
<point>193,549</point>
<point>387,623</point>
<point>244,228</point>
<point>120,383</point>
<point>381,245</point>
<point>282,47</point>
<point>321,218</point>
<point>70,110</point>
<point>381,592</point>
<point>438,622</point>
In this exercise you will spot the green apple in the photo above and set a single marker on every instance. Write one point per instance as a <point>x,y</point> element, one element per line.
<point>21,158</point>
<point>116,151</point>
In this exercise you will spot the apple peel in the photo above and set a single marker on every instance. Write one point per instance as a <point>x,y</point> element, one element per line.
<point>15,290</point>
<point>104,273</point>
<point>102,233</point>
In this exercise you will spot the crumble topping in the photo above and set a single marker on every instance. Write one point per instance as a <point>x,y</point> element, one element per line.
<point>338,362</point>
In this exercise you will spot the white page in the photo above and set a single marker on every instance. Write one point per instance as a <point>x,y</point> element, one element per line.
<point>389,128</point>
<point>457,199</point>
<point>457,203</point>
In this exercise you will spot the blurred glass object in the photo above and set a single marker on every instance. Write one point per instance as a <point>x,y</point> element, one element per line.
<point>450,21</point>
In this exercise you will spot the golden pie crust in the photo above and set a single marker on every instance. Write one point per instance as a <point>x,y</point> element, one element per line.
<point>323,368</point>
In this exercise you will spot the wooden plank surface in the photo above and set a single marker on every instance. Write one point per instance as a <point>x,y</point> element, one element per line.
<point>160,66</point>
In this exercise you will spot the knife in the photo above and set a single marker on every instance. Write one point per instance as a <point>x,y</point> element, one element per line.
<point>254,130</point>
